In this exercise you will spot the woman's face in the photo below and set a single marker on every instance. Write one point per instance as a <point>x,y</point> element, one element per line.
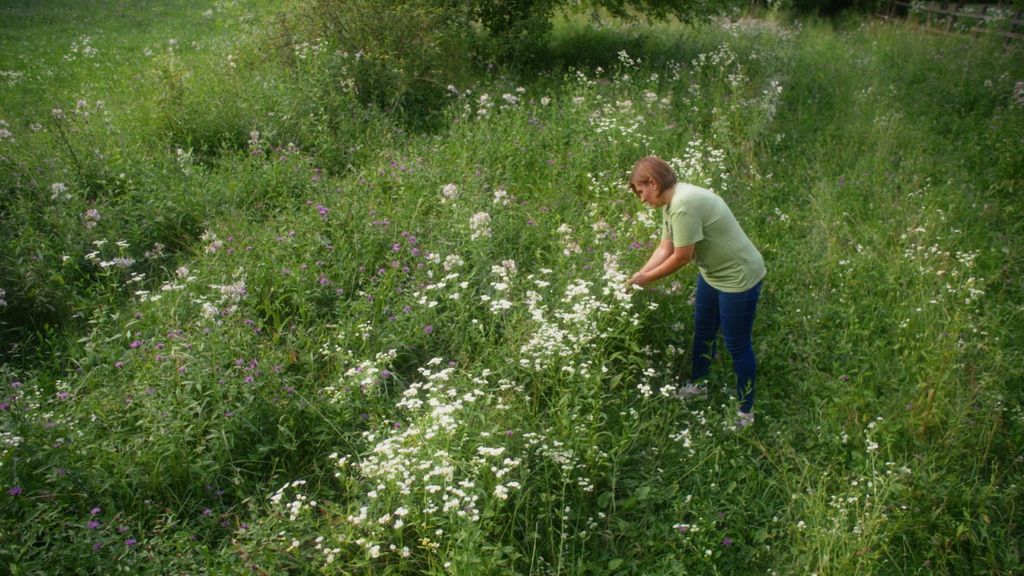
<point>646,189</point>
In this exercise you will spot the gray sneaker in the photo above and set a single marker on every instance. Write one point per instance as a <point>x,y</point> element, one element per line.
<point>744,420</point>
<point>690,390</point>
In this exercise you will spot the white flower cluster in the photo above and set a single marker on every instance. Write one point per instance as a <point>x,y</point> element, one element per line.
<point>8,441</point>
<point>183,276</point>
<point>59,191</point>
<point>449,193</point>
<point>119,261</point>
<point>620,121</point>
<point>299,503</point>
<point>571,246</point>
<point>11,77</point>
<point>952,270</point>
<point>429,470</point>
<point>213,244</point>
<point>366,376</point>
<point>499,303</point>
<point>480,225</point>
<point>702,165</point>
<point>230,296</point>
<point>581,316</point>
<point>306,50</point>
<point>81,47</point>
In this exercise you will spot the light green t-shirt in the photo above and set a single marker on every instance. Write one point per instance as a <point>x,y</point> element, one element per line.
<point>725,256</point>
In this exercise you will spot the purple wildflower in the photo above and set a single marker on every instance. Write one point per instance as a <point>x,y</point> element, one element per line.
<point>92,524</point>
<point>428,329</point>
<point>14,490</point>
<point>727,542</point>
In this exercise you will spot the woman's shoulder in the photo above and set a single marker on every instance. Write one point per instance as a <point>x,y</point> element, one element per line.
<point>687,189</point>
<point>688,196</point>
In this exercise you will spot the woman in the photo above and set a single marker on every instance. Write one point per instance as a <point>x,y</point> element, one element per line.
<point>698,226</point>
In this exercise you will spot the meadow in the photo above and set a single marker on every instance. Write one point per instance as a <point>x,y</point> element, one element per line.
<point>263,312</point>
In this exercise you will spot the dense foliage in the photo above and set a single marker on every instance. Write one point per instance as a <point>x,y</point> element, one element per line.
<point>261,313</point>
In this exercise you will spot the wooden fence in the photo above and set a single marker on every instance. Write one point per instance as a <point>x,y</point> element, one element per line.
<point>960,17</point>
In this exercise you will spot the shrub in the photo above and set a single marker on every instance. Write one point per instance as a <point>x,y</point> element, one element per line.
<point>399,56</point>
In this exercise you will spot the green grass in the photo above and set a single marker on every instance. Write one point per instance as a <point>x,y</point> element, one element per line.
<point>308,318</point>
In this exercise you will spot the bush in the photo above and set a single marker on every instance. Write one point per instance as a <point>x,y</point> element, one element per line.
<point>403,67</point>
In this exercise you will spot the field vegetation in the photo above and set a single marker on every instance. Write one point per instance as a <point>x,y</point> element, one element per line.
<point>278,295</point>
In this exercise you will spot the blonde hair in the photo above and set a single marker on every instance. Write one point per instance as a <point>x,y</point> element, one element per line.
<point>654,169</point>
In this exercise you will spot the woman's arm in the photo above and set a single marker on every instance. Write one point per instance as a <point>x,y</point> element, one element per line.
<point>666,260</point>
<point>660,254</point>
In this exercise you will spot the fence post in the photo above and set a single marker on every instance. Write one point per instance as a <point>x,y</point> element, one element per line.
<point>1013,26</point>
<point>977,27</point>
<point>951,18</point>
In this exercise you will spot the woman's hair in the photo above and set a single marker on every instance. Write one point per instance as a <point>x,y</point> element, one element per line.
<point>653,168</point>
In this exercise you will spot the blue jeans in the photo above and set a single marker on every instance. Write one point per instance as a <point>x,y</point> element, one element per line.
<point>734,313</point>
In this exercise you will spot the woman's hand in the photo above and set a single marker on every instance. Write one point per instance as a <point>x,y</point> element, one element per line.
<point>639,280</point>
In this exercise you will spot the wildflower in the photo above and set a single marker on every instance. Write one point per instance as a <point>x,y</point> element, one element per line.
<point>57,191</point>
<point>727,542</point>
<point>97,546</point>
<point>92,524</point>
<point>323,210</point>
<point>131,542</point>
<point>95,511</point>
<point>449,193</point>
<point>428,329</point>
<point>91,217</point>
<point>480,225</point>
<point>14,490</point>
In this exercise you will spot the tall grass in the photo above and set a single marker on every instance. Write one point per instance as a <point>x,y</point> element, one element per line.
<point>263,325</point>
